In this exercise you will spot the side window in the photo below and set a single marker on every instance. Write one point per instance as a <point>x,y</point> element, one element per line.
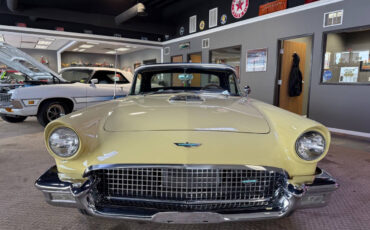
<point>103,77</point>
<point>138,84</point>
<point>232,84</point>
<point>119,78</point>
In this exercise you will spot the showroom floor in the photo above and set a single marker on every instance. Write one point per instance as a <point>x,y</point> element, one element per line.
<point>23,158</point>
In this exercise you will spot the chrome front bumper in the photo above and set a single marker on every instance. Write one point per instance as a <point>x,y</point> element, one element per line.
<point>66,194</point>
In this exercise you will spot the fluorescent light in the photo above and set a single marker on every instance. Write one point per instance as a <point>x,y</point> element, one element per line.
<point>81,50</point>
<point>122,49</point>
<point>1,38</point>
<point>75,49</point>
<point>46,43</point>
<point>110,52</point>
<point>86,46</point>
<point>41,47</point>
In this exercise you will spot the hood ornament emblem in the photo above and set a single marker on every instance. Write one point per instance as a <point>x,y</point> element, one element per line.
<point>188,145</point>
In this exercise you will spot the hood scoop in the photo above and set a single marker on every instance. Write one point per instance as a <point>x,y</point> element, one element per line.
<point>186,98</point>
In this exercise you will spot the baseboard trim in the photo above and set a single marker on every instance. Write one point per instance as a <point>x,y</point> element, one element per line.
<point>349,132</point>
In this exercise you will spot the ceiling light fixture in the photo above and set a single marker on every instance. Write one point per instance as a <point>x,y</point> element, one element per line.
<point>41,47</point>
<point>93,43</point>
<point>86,46</point>
<point>42,42</point>
<point>2,38</point>
<point>122,49</point>
<point>50,39</point>
<point>81,50</point>
<point>75,49</point>
<point>110,52</point>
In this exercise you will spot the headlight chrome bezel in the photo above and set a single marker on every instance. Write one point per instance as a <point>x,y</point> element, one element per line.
<point>65,157</point>
<point>313,158</point>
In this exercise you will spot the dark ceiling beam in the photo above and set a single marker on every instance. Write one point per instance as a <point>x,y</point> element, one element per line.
<point>99,20</point>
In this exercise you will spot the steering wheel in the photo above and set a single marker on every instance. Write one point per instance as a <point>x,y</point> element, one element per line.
<point>211,86</point>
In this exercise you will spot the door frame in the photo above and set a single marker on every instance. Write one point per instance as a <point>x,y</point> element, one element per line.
<point>278,68</point>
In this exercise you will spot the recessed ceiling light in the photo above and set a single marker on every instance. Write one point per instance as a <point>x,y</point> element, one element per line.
<point>122,49</point>
<point>86,46</point>
<point>75,49</point>
<point>41,47</point>
<point>81,50</point>
<point>42,42</point>
<point>110,52</point>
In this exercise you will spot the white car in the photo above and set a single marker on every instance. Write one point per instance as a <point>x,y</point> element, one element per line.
<point>78,88</point>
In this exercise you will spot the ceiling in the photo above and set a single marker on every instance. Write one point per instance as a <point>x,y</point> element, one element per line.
<point>33,42</point>
<point>103,48</point>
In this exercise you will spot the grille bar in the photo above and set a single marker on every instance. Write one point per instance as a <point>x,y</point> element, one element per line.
<point>176,188</point>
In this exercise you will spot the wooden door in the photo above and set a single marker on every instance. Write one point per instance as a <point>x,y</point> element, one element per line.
<point>176,59</point>
<point>293,104</point>
<point>195,58</point>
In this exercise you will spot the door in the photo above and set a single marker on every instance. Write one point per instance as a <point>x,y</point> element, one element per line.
<point>195,58</point>
<point>176,59</point>
<point>292,104</point>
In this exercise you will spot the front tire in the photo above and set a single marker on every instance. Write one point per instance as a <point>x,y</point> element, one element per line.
<point>13,119</point>
<point>50,111</point>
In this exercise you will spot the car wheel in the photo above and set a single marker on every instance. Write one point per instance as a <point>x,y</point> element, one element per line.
<point>50,111</point>
<point>13,119</point>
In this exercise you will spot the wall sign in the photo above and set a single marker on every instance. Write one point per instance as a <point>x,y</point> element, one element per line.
<point>184,45</point>
<point>223,19</point>
<point>239,8</point>
<point>334,18</point>
<point>202,25</point>
<point>257,60</point>
<point>348,74</point>
<point>272,7</point>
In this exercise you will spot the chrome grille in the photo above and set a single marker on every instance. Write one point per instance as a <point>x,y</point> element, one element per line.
<point>187,188</point>
<point>5,97</point>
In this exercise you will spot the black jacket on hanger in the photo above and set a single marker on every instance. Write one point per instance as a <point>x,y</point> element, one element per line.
<point>295,78</point>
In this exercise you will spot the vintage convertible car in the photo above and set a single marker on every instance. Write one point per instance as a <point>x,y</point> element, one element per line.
<point>186,146</point>
<point>77,88</point>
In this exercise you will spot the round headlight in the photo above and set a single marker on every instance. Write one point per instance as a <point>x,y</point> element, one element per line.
<point>64,142</point>
<point>310,146</point>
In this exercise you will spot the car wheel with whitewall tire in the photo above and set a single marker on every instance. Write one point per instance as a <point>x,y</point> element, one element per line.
<point>13,119</point>
<point>50,111</point>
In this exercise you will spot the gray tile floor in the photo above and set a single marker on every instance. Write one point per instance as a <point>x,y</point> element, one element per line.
<point>23,158</point>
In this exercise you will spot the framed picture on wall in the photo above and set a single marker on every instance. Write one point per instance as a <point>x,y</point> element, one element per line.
<point>257,60</point>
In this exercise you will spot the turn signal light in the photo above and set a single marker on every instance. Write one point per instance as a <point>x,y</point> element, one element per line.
<point>9,110</point>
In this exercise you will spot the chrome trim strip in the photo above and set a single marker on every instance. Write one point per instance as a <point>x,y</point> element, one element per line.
<point>183,166</point>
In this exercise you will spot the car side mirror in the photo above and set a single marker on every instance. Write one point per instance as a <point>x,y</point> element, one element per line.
<point>247,90</point>
<point>94,81</point>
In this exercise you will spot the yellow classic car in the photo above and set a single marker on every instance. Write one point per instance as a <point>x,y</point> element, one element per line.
<point>186,146</point>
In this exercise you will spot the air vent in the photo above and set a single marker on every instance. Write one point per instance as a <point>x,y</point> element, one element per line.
<point>205,43</point>
<point>334,18</point>
<point>213,17</point>
<point>166,51</point>
<point>193,24</point>
<point>186,98</point>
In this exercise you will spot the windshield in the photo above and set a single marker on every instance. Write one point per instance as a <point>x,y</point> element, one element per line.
<point>169,81</point>
<point>77,75</point>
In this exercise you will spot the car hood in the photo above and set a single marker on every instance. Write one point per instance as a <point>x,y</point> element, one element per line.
<point>22,62</point>
<point>186,112</point>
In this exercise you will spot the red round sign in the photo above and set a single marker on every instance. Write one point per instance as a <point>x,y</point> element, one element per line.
<point>239,8</point>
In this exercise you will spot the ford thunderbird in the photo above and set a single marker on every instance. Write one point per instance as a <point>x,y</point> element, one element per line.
<point>186,146</point>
